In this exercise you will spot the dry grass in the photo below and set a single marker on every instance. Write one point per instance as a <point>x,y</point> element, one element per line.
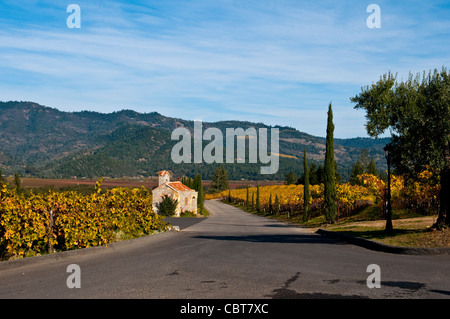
<point>408,232</point>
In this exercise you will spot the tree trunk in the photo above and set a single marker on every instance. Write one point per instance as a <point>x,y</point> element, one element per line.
<point>444,195</point>
<point>444,201</point>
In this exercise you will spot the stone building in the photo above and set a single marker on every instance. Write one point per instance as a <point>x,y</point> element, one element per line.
<point>187,197</point>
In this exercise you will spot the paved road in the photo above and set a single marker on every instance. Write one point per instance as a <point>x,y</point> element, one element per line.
<point>232,254</point>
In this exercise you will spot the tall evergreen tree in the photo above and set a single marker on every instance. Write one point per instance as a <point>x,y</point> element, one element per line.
<point>258,205</point>
<point>270,208</point>
<point>313,180</point>
<point>330,172</point>
<point>277,204</point>
<point>320,173</point>
<point>362,166</point>
<point>17,183</point>
<point>364,158</point>
<point>220,180</point>
<point>291,178</point>
<point>357,169</point>
<point>201,195</point>
<point>247,203</point>
<point>306,193</point>
<point>194,184</point>
<point>372,168</point>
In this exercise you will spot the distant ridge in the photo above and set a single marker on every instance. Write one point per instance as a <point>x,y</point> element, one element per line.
<point>40,141</point>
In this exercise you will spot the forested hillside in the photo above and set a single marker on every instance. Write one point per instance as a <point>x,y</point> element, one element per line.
<point>40,141</point>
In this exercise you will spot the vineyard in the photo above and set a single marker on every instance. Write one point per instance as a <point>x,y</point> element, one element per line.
<point>33,224</point>
<point>420,197</point>
<point>36,224</point>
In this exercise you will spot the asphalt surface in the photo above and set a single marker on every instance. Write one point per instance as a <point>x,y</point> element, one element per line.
<point>184,222</point>
<point>231,254</point>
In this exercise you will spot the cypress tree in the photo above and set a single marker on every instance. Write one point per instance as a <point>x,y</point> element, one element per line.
<point>306,193</point>
<point>188,182</point>
<point>201,195</point>
<point>225,178</point>
<point>195,184</point>
<point>17,183</point>
<point>258,206</point>
<point>277,204</point>
<point>270,204</point>
<point>330,172</point>
<point>247,203</point>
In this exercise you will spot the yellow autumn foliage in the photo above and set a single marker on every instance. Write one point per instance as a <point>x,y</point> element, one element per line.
<point>31,224</point>
<point>421,193</point>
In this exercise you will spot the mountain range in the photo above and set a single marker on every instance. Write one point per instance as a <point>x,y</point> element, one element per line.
<point>40,141</point>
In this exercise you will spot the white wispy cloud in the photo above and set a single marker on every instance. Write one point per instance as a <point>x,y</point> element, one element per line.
<point>279,62</point>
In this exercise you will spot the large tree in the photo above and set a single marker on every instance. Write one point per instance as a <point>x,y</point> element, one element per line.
<point>330,172</point>
<point>291,178</point>
<point>416,112</point>
<point>362,166</point>
<point>219,181</point>
<point>306,192</point>
<point>357,169</point>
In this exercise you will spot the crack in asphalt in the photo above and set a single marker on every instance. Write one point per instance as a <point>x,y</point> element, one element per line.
<point>286,293</point>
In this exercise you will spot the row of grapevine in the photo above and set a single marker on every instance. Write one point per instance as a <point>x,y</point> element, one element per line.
<point>59,221</point>
<point>421,195</point>
<point>289,198</point>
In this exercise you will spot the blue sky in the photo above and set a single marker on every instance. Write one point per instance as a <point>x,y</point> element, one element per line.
<point>277,62</point>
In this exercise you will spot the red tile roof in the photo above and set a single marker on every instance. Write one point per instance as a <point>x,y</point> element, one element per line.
<point>179,186</point>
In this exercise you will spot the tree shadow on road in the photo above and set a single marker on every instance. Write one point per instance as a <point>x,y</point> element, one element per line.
<point>295,239</point>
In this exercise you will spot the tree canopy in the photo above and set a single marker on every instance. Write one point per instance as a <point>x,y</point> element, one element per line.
<point>219,181</point>
<point>416,112</point>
